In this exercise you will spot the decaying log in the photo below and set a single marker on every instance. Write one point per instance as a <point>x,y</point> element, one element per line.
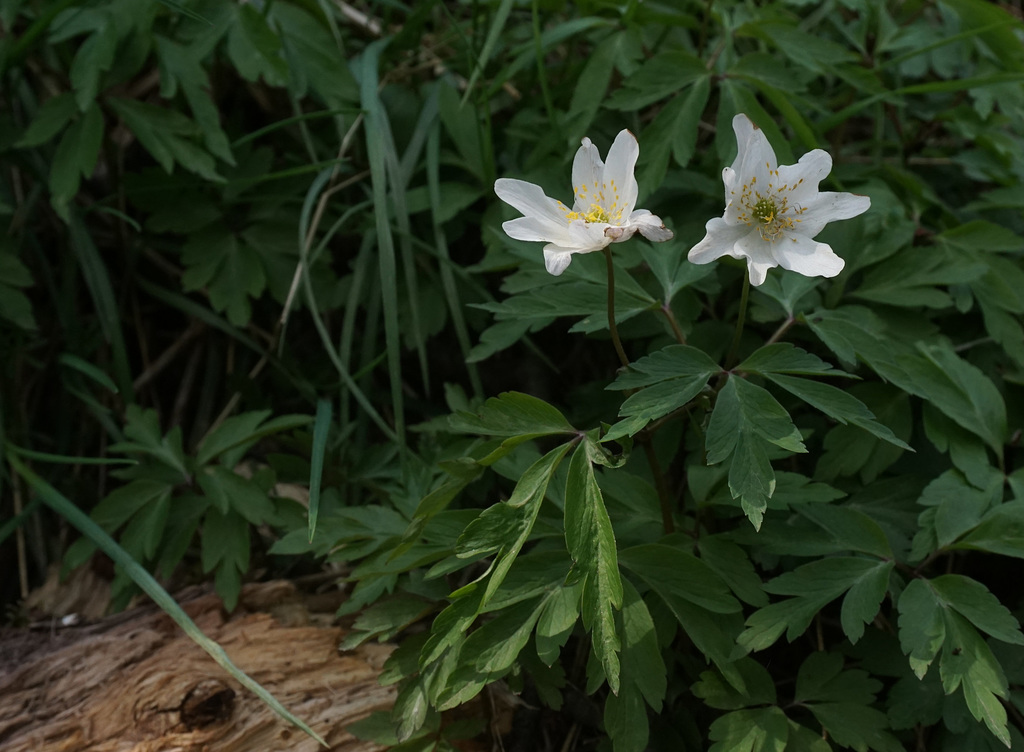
<point>135,683</point>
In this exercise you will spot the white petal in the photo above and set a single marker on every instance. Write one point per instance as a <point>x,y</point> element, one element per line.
<point>556,259</point>
<point>830,206</point>
<point>743,127</point>
<point>720,240</point>
<point>800,254</point>
<point>813,167</point>
<point>756,158</point>
<point>536,228</point>
<point>650,226</point>
<point>587,172</point>
<point>585,237</point>
<point>618,172</point>
<point>760,255</point>
<point>529,199</point>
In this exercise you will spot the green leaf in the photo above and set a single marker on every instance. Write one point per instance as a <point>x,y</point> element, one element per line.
<point>857,726</point>
<point>850,450</point>
<point>837,404</point>
<point>591,543</point>
<point>51,117</point>
<point>783,357</point>
<point>750,730</point>
<point>673,362</point>
<point>505,527</point>
<point>121,505</point>
<point>230,491</point>
<point>850,528</point>
<point>231,271</point>
<point>973,601</point>
<point>755,687</point>
<point>95,56</point>
<point>669,569</point>
<point>981,235</point>
<point>143,428</point>
<point>75,158</point>
<point>964,393</point>
<point>14,304</point>
<point>236,430</point>
<point>166,136</point>
<point>1000,531</point>
<point>513,414</point>
<point>745,422</point>
<point>821,678</point>
<point>659,77</point>
<point>922,626</point>
<point>182,66</point>
<point>814,585</point>
<point>643,676</point>
<point>561,611</point>
<point>255,48</point>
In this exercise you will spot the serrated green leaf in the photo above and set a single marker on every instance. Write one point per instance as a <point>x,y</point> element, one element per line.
<point>591,543</point>
<point>669,569</point>
<point>505,527</point>
<point>973,601</point>
<point>821,678</point>
<point>673,362</point>
<point>75,158</point>
<point>166,136</point>
<point>121,505</point>
<point>49,119</point>
<point>783,357</point>
<point>230,491</point>
<point>513,414</point>
<point>745,422</point>
<point>230,270</point>
<point>755,687</point>
<point>857,726</point>
<point>95,56</point>
<point>814,585</point>
<point>850,528</point>
<point>560,614</point>
<point>837,404</point>
<point>750,730</point>
<point>1000,531</point>
<point>921,625</point>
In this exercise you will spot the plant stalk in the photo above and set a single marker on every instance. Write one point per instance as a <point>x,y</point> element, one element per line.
<point>734,350</point>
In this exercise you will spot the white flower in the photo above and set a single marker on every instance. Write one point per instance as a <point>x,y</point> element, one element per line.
<point>603,199</point>
<point>772,212</point>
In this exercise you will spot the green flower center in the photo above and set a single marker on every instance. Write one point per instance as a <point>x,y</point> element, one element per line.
<point>765,211</point>
<point>769,209</point>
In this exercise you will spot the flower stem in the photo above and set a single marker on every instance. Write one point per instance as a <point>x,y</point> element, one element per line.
<point>666,309</point>
<point>611,309</point>
<point>730,361</point>
<point>645,439</point>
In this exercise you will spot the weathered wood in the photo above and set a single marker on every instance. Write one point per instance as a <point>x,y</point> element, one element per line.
<point>136,683</point>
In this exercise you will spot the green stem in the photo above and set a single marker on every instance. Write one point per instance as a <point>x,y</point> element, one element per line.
<point>666,310</point>
<point>730,361</point>
<point>611,309</point>
<point>652,458</point>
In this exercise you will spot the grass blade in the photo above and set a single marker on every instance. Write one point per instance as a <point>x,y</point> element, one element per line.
<point>102,293</point>
<point>375,147</point>
<point>321,428</point>
<point>64,507</point>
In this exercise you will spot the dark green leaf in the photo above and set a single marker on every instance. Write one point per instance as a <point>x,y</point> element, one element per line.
<point>591,543</point>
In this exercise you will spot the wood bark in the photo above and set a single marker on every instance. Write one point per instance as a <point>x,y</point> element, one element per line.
<point>135,683</point>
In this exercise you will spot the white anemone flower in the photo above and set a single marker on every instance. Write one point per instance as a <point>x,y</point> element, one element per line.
<point>604,195</point>
<point>773,212</point>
